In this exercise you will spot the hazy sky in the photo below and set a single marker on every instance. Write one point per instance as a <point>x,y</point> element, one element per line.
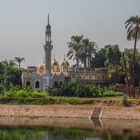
<point>23,22</point>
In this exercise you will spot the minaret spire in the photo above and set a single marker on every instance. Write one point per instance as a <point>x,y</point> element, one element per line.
<point>48,19</point>
<point>48,47</point>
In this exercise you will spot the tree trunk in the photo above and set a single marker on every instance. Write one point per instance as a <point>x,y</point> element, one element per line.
<point>88,62</point>
<point>19,64</point>
<point>133,73</point>
<point>77,62</point>
<point>139,89</point>
<point>85,64</point>
<point>126,73</point>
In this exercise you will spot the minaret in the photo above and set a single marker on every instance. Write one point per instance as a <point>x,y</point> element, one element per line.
<point>48,48</point>
<point>47,77</point>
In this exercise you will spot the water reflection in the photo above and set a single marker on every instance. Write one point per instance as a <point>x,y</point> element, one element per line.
<point>67,129</point>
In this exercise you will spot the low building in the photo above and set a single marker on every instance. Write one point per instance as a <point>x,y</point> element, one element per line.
<point>89,75</point>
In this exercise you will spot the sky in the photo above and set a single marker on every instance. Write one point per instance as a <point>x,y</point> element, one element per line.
<point>23,22</point>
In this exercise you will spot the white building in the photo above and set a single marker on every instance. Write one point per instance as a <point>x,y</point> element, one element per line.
<point>48,74</point>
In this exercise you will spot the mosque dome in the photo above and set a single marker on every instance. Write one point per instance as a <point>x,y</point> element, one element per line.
<point>64,65</point>
<point>64,62</point>
<point>54,62</point>
<point>55,65</point>
<point>41,69</point>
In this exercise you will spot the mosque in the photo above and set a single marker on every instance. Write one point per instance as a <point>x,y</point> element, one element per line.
<point>52,73</point>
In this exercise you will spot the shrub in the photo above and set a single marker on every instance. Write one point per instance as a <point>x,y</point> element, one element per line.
<point>76,89</point>
<point>111,93</point>
<point>38,94</point>
<point>125,101</point>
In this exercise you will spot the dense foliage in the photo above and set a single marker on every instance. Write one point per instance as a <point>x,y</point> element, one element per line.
<point>77,89</point>
<point>10,74</point>
<point>109,57</point>
<point>82,50</point>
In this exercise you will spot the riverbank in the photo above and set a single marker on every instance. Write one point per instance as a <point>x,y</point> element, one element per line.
<point>112,124</point>
<point>70,111</point>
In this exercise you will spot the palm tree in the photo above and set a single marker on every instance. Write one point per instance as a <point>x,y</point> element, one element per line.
<point>9,63</point>
<point>133,33</point>
<point>87,51</point>
<point>19,60</point>
<point>75,48</point>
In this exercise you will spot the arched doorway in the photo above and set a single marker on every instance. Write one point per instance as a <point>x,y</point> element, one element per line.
<point>37,84</point>
<point>61,82</point>
<point>55,83</point>
<point>28,83</point>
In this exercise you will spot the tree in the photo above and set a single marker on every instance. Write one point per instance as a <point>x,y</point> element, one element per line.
<point>127,63</point>
<point>113,55</point>
<point>133,33</point>
<point>1,72</point>
<point>87,51</point>
<point>19,60</point>
<point>116,74</point>
<point>98,61</point>
<point>75,48</point>
<point>81,50</point>
<point>9,63</point>
<point>12,75</point>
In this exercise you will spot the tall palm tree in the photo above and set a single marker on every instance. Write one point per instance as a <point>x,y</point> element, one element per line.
<point>19,60</point>
<point>9,63</point>
<point>75,48</point>
<point>88,50</point>
<point>133,33</point>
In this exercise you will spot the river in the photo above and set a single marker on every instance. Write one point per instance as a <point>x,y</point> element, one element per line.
<point>24,128</point>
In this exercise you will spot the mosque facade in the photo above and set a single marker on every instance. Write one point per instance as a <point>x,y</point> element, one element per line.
<point>48,74</point>
<point>52,73</point>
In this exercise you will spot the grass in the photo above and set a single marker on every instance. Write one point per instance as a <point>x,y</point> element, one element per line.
<point>112,93</point>
<point>104,101</point>
<point>40,98</point>
<point>56,100</point>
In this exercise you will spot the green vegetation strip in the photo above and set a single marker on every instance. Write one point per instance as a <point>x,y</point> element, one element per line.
<point>58,100</point>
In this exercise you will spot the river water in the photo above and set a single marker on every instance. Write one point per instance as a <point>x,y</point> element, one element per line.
<point>12,128</point>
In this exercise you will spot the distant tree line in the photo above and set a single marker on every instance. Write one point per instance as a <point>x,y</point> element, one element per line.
<point>123,67</point>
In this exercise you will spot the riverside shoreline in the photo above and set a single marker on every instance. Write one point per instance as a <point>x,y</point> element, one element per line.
<point>70,111</point>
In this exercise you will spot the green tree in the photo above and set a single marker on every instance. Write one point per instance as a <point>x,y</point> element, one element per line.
<point>19,60</point>
<point>12,75</point>
<point>1,72</point>
<point>133,33</point>
<point>9,63</point>
<point>75,48</point>
<point>98,61</point>
<point>127,63</point>
<point>88,49</point>
<point>113,55</point>
<point>116,74</point>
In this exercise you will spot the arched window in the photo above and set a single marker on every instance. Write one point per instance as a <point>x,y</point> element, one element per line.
<point>28,83</point>
<point>61,82</point>
<point>37,84</point>
<point>55,83</point>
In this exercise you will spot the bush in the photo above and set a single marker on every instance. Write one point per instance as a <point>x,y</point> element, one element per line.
<point>38,94</point>
<point>76,89</point>
<point>125,101</point>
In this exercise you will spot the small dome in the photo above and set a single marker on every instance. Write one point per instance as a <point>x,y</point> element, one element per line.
<point>64,62</point>
<point>54,62</point>
<point>41,69</point>
<point>55,65</point>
